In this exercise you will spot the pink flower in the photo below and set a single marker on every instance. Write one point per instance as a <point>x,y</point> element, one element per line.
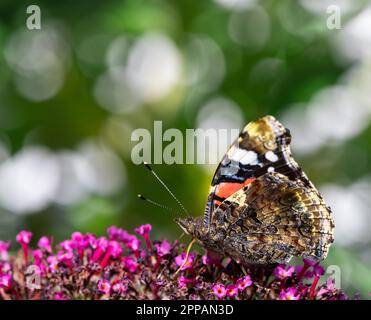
<point>314,283</point>
<point>206,260</point>
<point>119,234</point>
<point>66,245</point>
<point>113,233</point>
<point>77,237</point>
<point>5,281</point>
<point>133,243</point>
<point>289,294</point>
<point>79,241</point>
<point>327,288</point>
<point>37,254</point>
<point>114,251</point>
<point>5,267</point>
<point>318,270</point>
<point>101,243</point>
<point>130,264</point>
<point>143,229</point>
<point>104,286</point>
<point>163,248</point>
<point>209,259</point>
<point>232,290</point>
<point>219,290</point>
<point>4,247</point>
<point>45,244</point>
<point>302,289</point>
<point>310,269</point>
<point>91,240</point>
<point>60,296</point>
<point>183,281</point>
<point>64,255</point>
<point>243,283</point>
<point>24,237</point>
<point>101,246</point>
<point>119,288</point>
<point>281,273</point>
<point>53,263</point>
<point>302,271</point>
<point>179,260</point>
<point>123,235</point>
<point>309,262</point>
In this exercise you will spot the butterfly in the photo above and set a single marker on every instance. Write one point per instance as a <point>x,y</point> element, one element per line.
<point>261,207</point>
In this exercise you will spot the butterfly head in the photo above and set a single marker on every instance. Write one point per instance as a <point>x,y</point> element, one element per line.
<point>193,227</point>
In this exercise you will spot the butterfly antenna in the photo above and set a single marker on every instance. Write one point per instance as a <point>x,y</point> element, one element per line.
<point>166,187</point>
<point>162,206</point>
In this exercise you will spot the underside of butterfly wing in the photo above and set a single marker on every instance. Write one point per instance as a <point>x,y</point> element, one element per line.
<point>261,207</point>
<point>262,146</point>
<point>270,221</point>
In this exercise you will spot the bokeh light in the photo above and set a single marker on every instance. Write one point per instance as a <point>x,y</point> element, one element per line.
<point>29,180</point>
<point>40,61</point>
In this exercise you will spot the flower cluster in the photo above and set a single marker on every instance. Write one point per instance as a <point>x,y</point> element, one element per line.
<point>122,265</point>
<point>232,290</point>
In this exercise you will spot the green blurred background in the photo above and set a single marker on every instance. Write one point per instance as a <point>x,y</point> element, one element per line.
<point>72,93</point>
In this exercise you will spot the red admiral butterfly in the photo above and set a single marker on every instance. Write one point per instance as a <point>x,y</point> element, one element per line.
<point>261,207</point>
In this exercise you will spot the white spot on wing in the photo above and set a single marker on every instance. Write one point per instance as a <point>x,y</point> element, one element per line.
<point>270,169</point>
<point>237,155</point>
<point>271,156</point>
<point>230,171</point>
<point>249,157</point>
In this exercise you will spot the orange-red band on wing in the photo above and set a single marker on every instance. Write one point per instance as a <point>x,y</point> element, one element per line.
<point>226,189</point>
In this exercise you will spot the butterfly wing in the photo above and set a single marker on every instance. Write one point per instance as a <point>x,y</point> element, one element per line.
<point>262,146</point>
<point>272,220</point>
